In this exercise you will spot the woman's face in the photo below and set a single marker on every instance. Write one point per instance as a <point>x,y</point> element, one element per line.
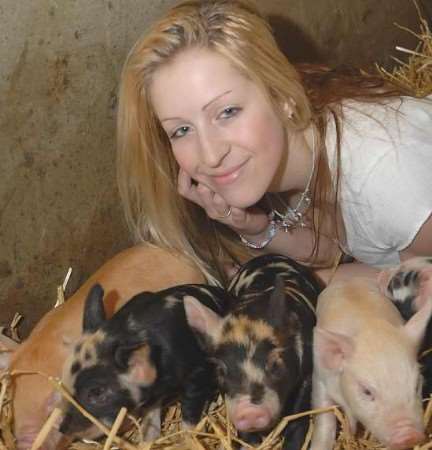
<point>224,132</point>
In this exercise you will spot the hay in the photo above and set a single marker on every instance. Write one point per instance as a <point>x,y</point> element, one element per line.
<point>214,432</point>
<point>413,77</point>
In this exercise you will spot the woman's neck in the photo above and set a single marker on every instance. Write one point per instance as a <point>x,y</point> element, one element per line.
<point>296,168</point>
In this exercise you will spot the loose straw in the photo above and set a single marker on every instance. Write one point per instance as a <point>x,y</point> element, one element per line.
<point>414,76</point>
<point>45,430</point>
<point>58,385</point>
<point>2,395</point>
<point>428,412</point>
<point>308,438</point>
<point>62,288</point>
<point>114,429</point>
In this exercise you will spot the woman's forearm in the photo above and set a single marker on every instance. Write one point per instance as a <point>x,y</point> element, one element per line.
<point>298,244</point>
<point>346,271</point>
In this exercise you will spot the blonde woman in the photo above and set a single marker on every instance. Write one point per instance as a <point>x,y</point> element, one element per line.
<point>226,150</point>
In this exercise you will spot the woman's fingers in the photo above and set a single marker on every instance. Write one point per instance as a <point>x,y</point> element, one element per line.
<point>216,207</point>
<point>250,220</point>
<point>184,183</point>
<point>187,188</point>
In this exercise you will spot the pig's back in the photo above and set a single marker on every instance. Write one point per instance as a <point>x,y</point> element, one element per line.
<point>349,305</point>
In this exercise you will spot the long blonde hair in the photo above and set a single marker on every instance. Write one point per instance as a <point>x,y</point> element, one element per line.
<point>147,170</point>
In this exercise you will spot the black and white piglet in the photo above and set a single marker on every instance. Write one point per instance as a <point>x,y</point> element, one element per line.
<point>143,355</point>
<point>263,347</point>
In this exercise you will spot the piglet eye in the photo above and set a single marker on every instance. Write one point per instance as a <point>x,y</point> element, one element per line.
<point>276,368</point>
<point>97,395</point>
<point>366,392</point>
<point>220,368</point>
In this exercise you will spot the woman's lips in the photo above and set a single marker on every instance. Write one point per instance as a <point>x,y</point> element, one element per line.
<point>229,176</point>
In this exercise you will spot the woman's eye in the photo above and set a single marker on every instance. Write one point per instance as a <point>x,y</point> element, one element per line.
<point>179,132</point>
<point>228,112</point>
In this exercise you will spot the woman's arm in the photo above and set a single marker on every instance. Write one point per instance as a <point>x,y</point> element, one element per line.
<point>421,246</point>
<point>298,244</point>
<point>422,243</point>
<point>346,271</point>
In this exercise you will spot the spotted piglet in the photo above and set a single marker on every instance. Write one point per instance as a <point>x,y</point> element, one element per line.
<point>263,347</point>
<point>409,286</point>
<point>144,355</point>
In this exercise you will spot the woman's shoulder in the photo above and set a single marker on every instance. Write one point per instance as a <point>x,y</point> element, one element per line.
<point>386,161</point>
<point>387,114</point>
<point>391,127</point>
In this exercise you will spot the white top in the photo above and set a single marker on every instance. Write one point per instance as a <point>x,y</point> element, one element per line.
<point>386,181</point>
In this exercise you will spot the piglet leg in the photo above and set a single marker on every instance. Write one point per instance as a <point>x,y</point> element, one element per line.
<point>199,389</point>
<point>151,428</point>
<point>324,431</point>
<point>295,431</point>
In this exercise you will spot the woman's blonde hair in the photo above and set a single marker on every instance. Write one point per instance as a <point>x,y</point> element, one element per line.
<point>147,170</point>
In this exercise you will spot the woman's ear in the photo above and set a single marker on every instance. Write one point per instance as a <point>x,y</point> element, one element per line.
<point>288,108</point>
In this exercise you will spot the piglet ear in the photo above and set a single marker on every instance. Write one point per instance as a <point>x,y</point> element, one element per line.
<point>94,312</point>
<point>415,328</point>
<point>201,318</point>
<point>137,361</point>
<point>331,349</point>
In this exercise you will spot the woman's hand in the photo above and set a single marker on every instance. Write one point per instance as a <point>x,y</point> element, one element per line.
<point>251,221</point>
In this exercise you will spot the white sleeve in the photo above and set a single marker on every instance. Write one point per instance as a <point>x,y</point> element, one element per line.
<point>386,187</point>
<point>399,187</point>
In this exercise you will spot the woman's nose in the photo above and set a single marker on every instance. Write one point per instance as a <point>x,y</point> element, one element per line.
<point>213,149</point>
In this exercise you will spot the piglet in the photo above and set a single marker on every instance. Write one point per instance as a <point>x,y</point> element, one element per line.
<point>365,360</point>
<point>144,355</point>
<point>134,270</point>
<point>409,286</point>
<point>263,347</point>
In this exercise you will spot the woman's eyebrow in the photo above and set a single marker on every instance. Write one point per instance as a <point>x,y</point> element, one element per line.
<point>203,108</point>
<point>216,98</point>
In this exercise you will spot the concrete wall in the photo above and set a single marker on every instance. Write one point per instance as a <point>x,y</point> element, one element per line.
<point>60,65</point>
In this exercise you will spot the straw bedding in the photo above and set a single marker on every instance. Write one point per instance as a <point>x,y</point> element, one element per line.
<point>214,431</point>
<point>415,75</point>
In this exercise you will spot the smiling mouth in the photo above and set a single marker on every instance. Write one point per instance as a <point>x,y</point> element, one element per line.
<point>229,176</point>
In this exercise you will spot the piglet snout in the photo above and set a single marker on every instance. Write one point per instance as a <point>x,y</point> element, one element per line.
<point>249,417</point>
<point>406,436</point>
